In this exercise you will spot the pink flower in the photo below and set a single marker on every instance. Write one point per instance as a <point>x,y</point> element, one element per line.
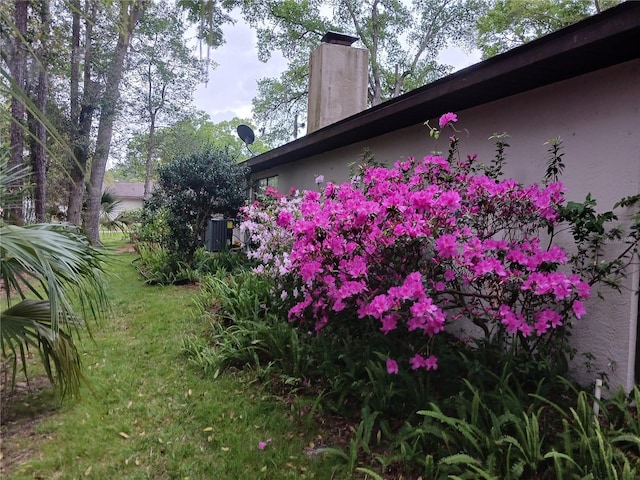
<point>423,199</point>
<point>447,246</point>
<point>272,192</point>
<point>450,199</point>
<point>417,361</point>
<point>349,289</point>
<point>583,288</point>
<point>378,306</point>
<point>508,319</point>
<point>525,329</point>
<point>284,219</point>
<point>356,267</point>
<point>309,269</point>
<point>447,118</point>
<point>578,309</point>
<point>263,445</point>
<point>389,322</point>
<point>546,319</point>
<point>415,323</point>
<point>431,363</point>
<point>392,367</point>
<point>412,286</point>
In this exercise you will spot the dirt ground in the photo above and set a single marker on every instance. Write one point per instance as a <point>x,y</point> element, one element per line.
<point>18,437</point>
<point>126,249</point>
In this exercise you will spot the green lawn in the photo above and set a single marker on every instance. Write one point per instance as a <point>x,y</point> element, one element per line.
<point>153,416</point>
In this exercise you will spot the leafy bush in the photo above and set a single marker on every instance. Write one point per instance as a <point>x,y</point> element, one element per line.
<point>492,427</point>
<point>160,266</point>
<point>409,249</point>
<point>406,250</point>
<point>189,191</point>
<point>245,329</point>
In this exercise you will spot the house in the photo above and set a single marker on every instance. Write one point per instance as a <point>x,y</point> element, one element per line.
<point>581,83</point>
<point>129,194</point>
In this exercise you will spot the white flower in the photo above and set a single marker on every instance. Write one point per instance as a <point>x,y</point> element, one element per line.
<point>319,179</point>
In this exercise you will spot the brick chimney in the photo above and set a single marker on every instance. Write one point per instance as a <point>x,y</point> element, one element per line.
<point>338,77</point>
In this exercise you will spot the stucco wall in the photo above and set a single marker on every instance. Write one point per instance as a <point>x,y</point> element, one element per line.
<point>598,117</point>
<point>127,204</point>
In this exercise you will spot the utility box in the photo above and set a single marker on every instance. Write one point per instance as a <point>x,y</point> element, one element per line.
<point>219,233</point>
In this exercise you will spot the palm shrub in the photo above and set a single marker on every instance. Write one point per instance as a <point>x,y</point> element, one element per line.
<point>53,281</point>
<point>110,218</point>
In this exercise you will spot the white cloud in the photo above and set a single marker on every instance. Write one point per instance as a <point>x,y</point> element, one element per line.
<point>459,58</point>
<point>233,84</point>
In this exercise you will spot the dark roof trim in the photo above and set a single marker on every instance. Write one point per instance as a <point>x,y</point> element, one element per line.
<point>600,41</point>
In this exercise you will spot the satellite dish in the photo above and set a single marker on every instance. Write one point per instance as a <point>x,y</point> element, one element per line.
<point>246,134</point>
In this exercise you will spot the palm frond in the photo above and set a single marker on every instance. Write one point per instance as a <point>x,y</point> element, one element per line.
<point>10,176</point>
<point>54,262</point>
<point>28,324</point>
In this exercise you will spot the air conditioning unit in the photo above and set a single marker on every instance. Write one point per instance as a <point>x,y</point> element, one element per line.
<point>218,235</point>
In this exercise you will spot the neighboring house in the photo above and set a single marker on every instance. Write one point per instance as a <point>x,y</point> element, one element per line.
<point>581,83</point>
<point>129,194</point>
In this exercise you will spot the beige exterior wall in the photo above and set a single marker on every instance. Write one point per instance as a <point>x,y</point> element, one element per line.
<point>598,117</point>
<point>127,204</point>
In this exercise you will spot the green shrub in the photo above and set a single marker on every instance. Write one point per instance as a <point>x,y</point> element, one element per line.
<point>160,266</point>
<point>190,189</point>
<point>245,329</point>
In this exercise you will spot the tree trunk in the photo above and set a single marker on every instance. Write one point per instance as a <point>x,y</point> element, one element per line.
<point>18,73</point>
<point>81,112</point>
<point>81,157</point>
<point>130,13</point>
<point>75,59</point>
<point>150,148</point>
<point>39,150</point>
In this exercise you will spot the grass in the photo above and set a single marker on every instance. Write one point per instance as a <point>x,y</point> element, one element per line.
<point>152,417</point>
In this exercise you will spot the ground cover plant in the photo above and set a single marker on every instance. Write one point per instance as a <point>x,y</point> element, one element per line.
<point>358,281</point>
<point>152,416</point>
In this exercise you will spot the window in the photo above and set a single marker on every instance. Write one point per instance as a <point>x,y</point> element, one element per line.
<point>260,185</point>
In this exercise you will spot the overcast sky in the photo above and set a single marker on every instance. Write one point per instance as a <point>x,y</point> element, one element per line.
<point>232,84</point>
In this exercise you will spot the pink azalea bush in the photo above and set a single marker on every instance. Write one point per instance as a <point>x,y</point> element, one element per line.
<point>265,227</point>
<point>424,244</point>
